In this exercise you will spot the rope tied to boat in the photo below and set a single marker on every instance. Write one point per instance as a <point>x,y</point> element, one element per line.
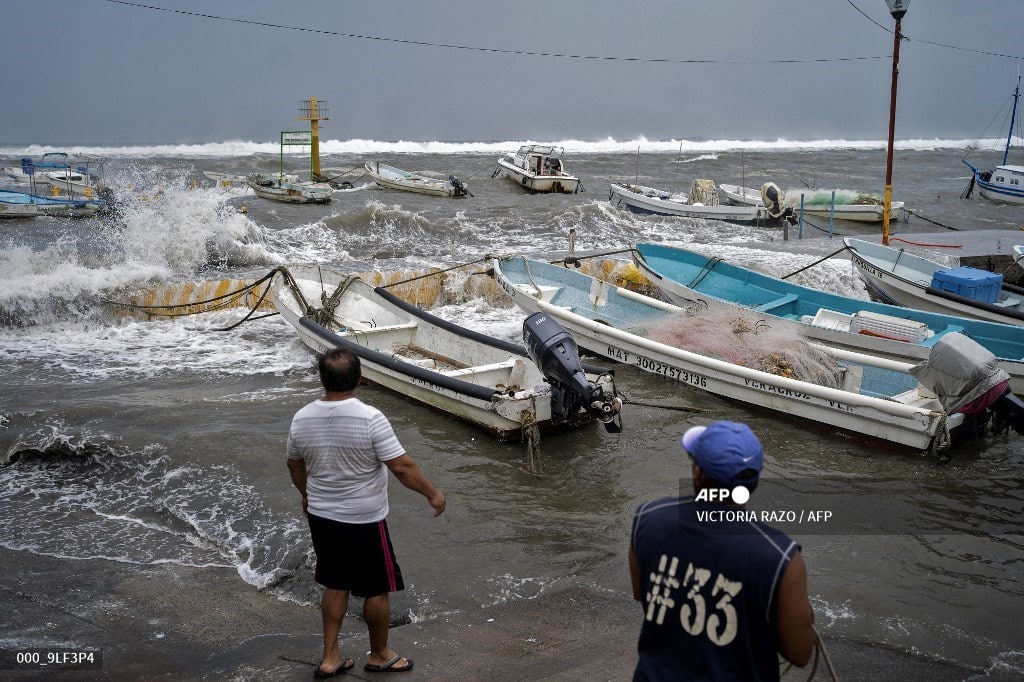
<point>531,434</point>
<point>941,442</point>
<point>324,316</point>
<point>820,260</point>
<point>216,303</point>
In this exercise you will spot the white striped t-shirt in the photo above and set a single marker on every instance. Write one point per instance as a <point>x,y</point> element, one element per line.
<point>344,444</point>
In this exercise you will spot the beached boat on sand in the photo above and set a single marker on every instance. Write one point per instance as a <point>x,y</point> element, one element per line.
<point>690,279</point>
<point>491,383</point>
<point>538,168</point>
<point>390,177</point>
<point>903,278</point>
<point>701,202</point>
<point>839,389</point>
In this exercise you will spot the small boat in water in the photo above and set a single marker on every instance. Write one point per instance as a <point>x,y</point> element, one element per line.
<point>690,279</point>
<point>57,206</point>
<point>55,174</point>
<point>841,204</point>
<point>15,211</point>
<point>390,177</point>
<point>1005,183</point>
<point>499,386</point>
<point>701,202</point>
<point>281,188</point>
<point>853,392</point>
<point>902,278</point>
<point>539,168</point>
<point>740,195</point>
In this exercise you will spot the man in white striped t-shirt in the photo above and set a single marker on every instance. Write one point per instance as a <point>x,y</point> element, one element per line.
<point>339,453</point>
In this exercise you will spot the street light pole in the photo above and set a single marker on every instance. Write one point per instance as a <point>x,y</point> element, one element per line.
<point>897,8</point>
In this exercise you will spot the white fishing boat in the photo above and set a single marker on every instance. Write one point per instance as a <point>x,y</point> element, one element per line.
<point>739,195</point>
<point>281,188</point>
<point>841,205</point>
<point>1004,183</point>
<point>854,392</point>
<point>491,383</point>
<point>26,173</point>
<point>55,173</point>
<point>701,202</point>
<point>390,177</point>
<point>539,168</point>
<point>903,278</point>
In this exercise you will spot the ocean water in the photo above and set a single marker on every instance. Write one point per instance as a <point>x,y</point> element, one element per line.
<point>162,441</point>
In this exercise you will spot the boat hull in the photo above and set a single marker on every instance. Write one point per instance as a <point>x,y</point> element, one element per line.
<point>60,207</point>
<point>834,320</point>
<point>1004,186</point>
<point>541,184</point>
<point>493,388</point>
<point>275,189</point>
<point>913,424</point>
<point>647,200</point>
<point>392,178</point>
<point>16,211</point>
<point>905,279</point>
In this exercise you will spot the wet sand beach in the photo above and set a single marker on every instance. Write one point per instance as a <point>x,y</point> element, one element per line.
<point>176,623</point>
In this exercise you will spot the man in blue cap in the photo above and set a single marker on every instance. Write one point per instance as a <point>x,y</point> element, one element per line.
<point>723,594</point>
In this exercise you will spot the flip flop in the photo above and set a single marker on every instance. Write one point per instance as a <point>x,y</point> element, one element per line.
<point>389,666</point>
<point>345,666</point>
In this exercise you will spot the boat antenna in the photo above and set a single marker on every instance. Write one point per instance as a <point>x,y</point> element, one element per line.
<point>636,176</point>
<point>675,173</point>
<point>1013,117</point>
<point>743,167</point>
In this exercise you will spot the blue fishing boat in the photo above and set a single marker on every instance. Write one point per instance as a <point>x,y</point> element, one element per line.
<point>61,206</point>
<point>688,278</point>
<point>836,388</point>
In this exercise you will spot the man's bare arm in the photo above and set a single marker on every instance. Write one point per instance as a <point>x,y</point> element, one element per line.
<point>412,477</point>
<point>794,618</point>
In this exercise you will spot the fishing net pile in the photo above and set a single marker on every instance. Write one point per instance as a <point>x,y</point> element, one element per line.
<point>841,197</point>
<point>745,339</point>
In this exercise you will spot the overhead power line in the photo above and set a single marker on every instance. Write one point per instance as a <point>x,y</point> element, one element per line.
<point>528,53</point>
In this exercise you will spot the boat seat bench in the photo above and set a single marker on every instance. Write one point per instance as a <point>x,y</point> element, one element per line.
<point>373,331</point>
<point>777,303</point>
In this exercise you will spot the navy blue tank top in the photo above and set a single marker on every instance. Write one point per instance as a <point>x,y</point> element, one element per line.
<point>709,576</point>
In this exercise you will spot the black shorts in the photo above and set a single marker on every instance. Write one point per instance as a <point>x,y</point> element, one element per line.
<point>357,557</point>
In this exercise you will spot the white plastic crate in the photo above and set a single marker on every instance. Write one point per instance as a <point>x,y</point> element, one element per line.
<point>889,327</point>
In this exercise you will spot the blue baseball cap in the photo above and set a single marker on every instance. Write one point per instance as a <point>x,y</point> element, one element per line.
<point>728,452</point>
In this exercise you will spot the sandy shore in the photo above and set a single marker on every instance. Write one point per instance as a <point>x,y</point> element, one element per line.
<point>170,623</point>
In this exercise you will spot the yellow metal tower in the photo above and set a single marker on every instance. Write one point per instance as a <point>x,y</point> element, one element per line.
<point>314,111</point>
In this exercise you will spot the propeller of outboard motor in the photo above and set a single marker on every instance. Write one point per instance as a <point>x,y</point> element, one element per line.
<point>555,353</point>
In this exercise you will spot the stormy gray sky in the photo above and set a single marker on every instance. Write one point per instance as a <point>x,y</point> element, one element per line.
<point>103,72</point>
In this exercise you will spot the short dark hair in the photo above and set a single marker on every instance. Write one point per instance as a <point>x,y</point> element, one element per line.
<point>340,370</point>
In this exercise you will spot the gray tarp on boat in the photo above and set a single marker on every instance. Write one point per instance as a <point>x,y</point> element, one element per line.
<point>959,370</point>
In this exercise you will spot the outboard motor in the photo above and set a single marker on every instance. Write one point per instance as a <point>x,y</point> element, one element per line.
<point>774,200</point>
<point>967,378</point>
<point>460,188</point>
<point>555,353</point>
